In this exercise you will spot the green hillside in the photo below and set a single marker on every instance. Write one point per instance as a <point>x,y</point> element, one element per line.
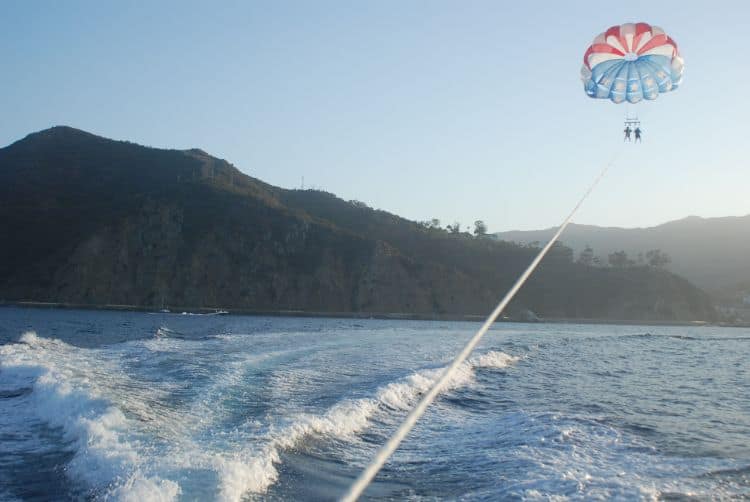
<point>89,220</point>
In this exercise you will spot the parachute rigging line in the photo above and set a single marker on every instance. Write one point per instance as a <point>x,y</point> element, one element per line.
<point>382,456</point>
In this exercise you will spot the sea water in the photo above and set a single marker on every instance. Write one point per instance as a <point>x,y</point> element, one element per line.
<point>134,406</point>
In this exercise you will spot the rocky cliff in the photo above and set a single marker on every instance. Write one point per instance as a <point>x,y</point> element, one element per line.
<point>84,219</point>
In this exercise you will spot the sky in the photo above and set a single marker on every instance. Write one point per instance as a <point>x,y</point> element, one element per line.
<point>451,110</point>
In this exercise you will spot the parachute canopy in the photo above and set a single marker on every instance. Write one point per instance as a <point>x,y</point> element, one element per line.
<point>631,62</point>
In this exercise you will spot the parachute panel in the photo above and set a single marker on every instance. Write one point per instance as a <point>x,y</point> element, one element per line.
<point>631,62</point>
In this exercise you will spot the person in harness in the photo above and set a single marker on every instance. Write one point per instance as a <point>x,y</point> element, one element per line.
<point>627,133</point>
<point>637,134</point>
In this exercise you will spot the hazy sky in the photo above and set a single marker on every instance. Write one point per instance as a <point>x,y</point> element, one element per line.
<point>449,110</point>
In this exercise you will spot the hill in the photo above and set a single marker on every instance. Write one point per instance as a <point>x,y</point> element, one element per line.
<point>711,252</point>
<point>89,220</point>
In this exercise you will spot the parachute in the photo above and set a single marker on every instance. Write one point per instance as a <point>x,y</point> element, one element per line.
<point>631,62</point>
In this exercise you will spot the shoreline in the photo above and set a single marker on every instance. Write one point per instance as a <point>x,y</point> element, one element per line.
<point>404,316</point>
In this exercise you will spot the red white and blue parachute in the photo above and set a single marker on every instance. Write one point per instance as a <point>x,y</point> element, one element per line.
<point>631,62</point>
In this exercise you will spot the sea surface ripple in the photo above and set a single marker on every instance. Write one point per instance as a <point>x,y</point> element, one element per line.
<point>127,406</point>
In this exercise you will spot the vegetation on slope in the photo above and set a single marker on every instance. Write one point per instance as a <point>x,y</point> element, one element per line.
<point>90,220</point>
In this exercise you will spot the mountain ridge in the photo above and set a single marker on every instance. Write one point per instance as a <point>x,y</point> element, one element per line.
<point>685,219</point>
<point>708,251</point>
<point>97,221</point>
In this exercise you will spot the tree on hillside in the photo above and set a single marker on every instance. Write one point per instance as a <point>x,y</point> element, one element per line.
<point>561,252</point>
<point>359,204</point>
<point>455,228</point>
<point>434,223</point>
<point>657,258</point>
<point>619,259</point>
<point>586,257</point>
<point>480,229</point>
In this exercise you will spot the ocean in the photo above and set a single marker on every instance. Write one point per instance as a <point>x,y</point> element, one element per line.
<point>98,405</point>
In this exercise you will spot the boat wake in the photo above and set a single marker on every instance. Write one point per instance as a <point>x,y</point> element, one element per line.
<point>69,393</point>
<point>127,444</point>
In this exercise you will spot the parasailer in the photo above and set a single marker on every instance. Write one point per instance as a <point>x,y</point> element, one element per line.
<point>629,63</point>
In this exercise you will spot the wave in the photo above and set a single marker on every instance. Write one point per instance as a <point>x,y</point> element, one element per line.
<point>164,332</point>
<point>712,339</point>
<point>652,335</point>
<point>256,473</point>
<point>126,446</point>
<point>65,395</point>
<point>583,457</point>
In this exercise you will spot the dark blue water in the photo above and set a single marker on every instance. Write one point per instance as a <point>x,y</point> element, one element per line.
<point>135,406</point>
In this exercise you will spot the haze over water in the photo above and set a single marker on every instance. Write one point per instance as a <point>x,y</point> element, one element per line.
<point>135,406</point>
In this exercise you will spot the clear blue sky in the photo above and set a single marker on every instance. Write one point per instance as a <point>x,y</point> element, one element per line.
<point>452,110</point>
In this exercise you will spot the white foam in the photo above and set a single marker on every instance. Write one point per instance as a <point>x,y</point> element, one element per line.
<point>163,332</point>
<point>494,359</point>
<point>140,488</point>
<point>579,457</point>
<point>67,394</point>
<point>238,476</point>
<point>125,445</point>
<point>255,474</point>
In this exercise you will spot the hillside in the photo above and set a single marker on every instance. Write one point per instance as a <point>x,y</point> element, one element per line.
<point>89,220</point>
<point>711,252</point>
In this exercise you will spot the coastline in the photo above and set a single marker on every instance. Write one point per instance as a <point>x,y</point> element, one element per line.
<point>406,316</point>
